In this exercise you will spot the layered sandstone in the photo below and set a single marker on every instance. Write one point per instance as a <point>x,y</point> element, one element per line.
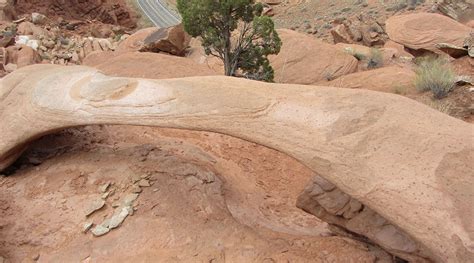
<point>399,161</point>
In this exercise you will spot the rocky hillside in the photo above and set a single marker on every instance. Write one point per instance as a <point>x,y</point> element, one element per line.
<point>108,11</point>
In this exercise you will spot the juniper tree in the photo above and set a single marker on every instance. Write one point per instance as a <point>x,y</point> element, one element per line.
<point>234,31</point>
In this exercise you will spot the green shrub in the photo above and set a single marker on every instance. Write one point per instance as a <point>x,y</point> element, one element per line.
<point>435,75</point>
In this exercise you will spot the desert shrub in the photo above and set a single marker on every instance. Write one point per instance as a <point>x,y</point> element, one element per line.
<point>375,59</point>
<point>399,5</point>
<point>400,90</point>
<point>435,75</point>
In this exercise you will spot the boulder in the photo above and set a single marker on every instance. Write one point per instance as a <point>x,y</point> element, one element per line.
<point>361,29</point>
<point>391,79</point>
<point>138,64</point>
<point>22,56</point>
<point>401,52</point>
<point>339,209</point>
<point>463,66</point>
<point>340,35</point>
<point>7,40</point>
<point>452,50</point>
<point>107,12</point>
<point>422,31</point>
<point>102,31</point>
<point>38,19</point>
<point>7,10</point>
<point>30,29</point>
<point>306,60</point>
<point>136,41</point>
<point>413,199</point>
<point>173,40</point>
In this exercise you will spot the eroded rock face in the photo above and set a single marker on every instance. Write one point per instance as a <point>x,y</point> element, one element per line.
<point>362,142</point>
<point>362,29</point>
<point>391,79</point>
<point>138,64</point>
<point>422,31</point>
<point>306,60</point>
<point>136,41</point>
<point>106,11</point>
<point>324,200</point>
<point>7,10</point>
<point>461,10</point>
<point>172,40</point>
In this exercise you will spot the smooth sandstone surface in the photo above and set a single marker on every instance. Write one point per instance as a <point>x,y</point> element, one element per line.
<point>425,30</point>
<point>392,79</point>
<point>406,162</point>
<point>306,60</point>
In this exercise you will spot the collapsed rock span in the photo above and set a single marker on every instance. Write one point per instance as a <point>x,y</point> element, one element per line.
<point>392,170</point>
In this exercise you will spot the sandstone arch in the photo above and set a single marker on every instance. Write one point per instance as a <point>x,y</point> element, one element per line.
<point>406,163</point>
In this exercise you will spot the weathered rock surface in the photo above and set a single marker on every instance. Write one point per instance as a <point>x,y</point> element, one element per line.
<point>469,44</point>
<point>139,64</point>
<point>94,206</point>
<point>306,60</point>
<point>360,141</point>
<point>337,208</point>
<point>460,10</point>
<point>136,41</point>
<point>100,230</point>
<point>172,40</point>
<point>106,11</point>
<point>391,79</point>
<point>422,31</point>
<point>452,50</point>
<point>7,10</point>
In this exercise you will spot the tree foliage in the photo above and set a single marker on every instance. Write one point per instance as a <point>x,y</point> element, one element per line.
<point>234,31</point>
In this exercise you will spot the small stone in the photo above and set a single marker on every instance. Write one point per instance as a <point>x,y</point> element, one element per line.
<point>115,205</point>
<point>106,223</point>
<point>87,226</point>
<point>144,183</point>
<point>155,190</point>
<point>136,189</point>
<point>38,18</point>
<point>103,188</point>
<point>118,218</point>
<point>104,196</point>
<point>129,199</point>
<point>100,230</point>
<point>96,205</point>
<point>135,178</point>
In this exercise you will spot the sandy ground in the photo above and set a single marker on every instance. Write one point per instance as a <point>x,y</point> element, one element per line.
<point>213,198</point>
